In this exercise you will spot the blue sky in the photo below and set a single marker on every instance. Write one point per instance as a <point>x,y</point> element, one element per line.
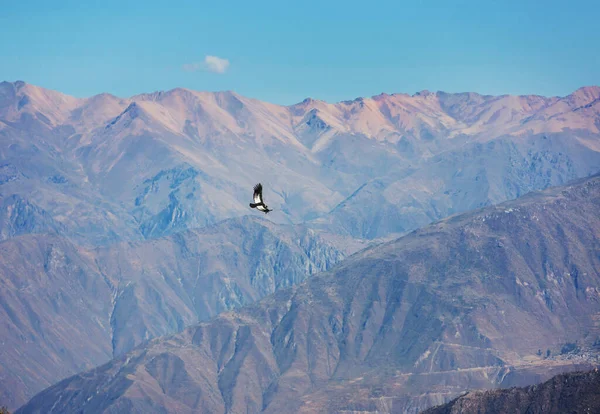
<point>285,51</point>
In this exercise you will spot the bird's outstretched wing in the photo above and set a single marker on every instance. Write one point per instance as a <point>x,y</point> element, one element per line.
<point>258,193</point>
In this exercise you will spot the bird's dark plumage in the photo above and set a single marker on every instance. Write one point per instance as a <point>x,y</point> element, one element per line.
<point>258,200</point>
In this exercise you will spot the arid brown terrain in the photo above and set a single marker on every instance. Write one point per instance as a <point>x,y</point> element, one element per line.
<point>503,296</point>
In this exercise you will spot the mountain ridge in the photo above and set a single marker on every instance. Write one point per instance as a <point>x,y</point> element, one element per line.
<point>387,109</point>
<point>588,90</point>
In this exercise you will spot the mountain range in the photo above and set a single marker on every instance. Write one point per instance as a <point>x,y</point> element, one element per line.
<point>502,296</point>
<point>105,169</point>
<point>124,219</point>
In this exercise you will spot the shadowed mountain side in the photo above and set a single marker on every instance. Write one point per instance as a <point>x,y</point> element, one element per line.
<point>64,309</point>
<point>577,393</point>
<point>468,302</point>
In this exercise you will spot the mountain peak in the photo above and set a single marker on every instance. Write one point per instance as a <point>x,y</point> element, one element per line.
<point>18,84</point>
<point>103,95</point>
<point>587,92</point>
<point>18,97</point>
<point>424,93</point>
<point>132,112</point>
<point>359,100</point>
<point>228,92</point>
<point>582,98</point>
<point>307,102</point>
<point>382,96</point>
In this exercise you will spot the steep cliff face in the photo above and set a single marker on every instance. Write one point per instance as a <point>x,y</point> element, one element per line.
<point>161,286</point>
<point>479,300</point>
<point>577,392</point>
<point>18,217</point>
<point>65,309</point>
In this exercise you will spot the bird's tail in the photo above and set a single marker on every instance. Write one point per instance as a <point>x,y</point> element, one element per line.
<point>253,205</point>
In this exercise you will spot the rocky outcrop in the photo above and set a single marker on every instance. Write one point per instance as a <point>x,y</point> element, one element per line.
<point>18,216</point>
<point>577,392</point>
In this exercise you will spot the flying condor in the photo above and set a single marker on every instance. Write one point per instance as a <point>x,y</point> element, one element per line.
<point>259,204</point>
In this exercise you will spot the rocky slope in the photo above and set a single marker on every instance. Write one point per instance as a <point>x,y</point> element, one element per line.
<point>53,314</point>
<point>492,298</point>
<point>64,309</point>
<point>576,393</point>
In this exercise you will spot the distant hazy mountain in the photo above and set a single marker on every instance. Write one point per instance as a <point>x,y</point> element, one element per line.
<point>577,393</point>
<point>507,295</point>
<point>64,309</point>
<point>109,169</point>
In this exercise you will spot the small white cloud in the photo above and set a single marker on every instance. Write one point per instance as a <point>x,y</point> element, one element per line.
<point>216,64</point>
<point>211,63</point>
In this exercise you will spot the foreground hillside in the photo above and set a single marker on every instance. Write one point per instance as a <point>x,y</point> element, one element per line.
<point>507,295</point>
<point>576,393</point>
<point>65,309</point>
